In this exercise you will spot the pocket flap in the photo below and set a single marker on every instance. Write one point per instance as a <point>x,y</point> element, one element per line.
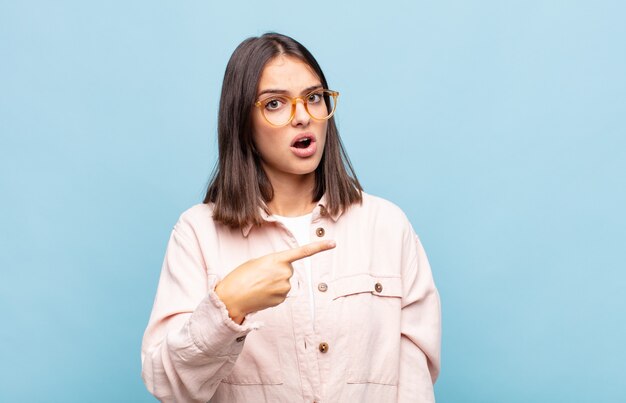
<point>365,282</point>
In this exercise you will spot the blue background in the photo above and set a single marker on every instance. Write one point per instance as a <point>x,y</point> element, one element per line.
<point>498,126</point>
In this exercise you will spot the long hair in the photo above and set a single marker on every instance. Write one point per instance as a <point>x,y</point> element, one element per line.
<point>239,186</point>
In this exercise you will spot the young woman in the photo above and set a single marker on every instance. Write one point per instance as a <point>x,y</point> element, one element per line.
<point>289,283</point>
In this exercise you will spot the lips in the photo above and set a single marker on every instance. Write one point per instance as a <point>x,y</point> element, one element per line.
<point>304,145</point>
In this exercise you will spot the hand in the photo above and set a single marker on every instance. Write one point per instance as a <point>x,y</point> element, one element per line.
<point>263,282</point>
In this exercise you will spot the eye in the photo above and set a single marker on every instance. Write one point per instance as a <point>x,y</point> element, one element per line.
<point>314,97</point>
<point>274,104</point>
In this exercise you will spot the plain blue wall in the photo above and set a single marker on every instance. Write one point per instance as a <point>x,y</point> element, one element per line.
<point>498,126</point>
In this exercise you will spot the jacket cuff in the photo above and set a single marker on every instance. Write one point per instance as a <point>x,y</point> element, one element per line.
<point>214,332</point>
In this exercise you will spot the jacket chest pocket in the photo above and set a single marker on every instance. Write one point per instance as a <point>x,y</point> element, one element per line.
<point>371,306</point>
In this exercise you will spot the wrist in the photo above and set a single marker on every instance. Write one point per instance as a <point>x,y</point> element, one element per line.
<point>234,313</point>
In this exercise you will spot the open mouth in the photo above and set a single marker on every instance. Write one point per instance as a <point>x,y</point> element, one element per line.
<point>304,145</point>
<point>304,142</point>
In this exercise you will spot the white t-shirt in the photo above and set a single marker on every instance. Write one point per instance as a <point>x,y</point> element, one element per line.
<point>300,227</point>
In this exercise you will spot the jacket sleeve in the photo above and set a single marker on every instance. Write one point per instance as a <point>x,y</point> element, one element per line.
<point>420,341</point>
<point>190,343</point>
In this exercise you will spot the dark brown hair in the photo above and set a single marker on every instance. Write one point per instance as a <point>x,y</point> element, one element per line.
<point>239,185</point>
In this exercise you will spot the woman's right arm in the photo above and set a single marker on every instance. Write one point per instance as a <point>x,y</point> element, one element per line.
<point>190,343</point>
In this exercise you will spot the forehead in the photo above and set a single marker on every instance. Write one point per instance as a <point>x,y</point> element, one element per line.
<point>287,73</point>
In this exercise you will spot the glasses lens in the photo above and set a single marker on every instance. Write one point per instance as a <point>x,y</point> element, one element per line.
<point>277,110</point>
<point>321,104</point>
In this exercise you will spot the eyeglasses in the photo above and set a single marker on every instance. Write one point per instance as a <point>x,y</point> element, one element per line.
<point>279,110</point>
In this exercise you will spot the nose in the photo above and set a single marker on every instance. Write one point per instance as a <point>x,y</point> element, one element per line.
<point>301,116</point>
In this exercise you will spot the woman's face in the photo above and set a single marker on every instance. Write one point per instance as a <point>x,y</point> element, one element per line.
<point>296,148</point>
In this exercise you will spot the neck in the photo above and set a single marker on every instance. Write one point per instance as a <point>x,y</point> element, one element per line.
<point>293,194</point>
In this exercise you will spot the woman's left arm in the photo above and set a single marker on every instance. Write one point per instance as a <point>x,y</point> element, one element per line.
<point>420,329</point>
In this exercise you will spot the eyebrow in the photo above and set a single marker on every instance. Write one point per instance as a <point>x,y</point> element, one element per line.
<point>276,91</point>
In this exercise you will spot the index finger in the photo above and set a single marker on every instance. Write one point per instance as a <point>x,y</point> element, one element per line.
<point>291,255</point>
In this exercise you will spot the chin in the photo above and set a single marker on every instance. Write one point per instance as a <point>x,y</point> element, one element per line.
<point>305,169</point>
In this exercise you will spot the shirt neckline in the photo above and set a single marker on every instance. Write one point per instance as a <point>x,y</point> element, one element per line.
<point>293,218</point>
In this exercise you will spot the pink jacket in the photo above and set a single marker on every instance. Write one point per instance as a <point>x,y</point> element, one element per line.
<point>376,334</point>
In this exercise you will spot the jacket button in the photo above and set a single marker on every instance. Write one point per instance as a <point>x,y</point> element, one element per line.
<point>320,232</point>
<point>323,347</point>
<point>322,287</point>
<point>378,287</point>
<point>240,339</point>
